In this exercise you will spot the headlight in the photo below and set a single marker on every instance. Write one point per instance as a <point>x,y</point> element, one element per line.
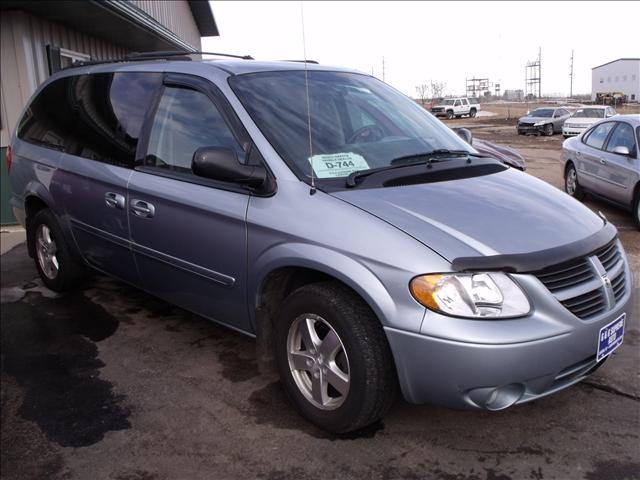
<point>539,124</point>
<point>474,295</point>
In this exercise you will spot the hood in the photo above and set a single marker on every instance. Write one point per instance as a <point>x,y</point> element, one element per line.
<point>503,153</point>
<point>503,213</point>
<point>534,119</point>
<point>582,121</point>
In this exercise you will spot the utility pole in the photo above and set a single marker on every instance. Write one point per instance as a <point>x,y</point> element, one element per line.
<point>383,68</point>
<point>540,72</point>
<point>571,75</point>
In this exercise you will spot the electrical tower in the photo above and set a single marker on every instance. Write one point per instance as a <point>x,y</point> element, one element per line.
<point>571,75</point>
<point>477,86</point>
<point>533,77</point>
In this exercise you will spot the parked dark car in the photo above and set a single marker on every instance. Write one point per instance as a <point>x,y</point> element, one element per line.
<point>543,121</point>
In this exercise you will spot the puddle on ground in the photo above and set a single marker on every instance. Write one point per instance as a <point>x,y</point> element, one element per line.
<point>48,347</point>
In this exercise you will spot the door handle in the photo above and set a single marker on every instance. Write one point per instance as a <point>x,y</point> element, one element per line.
<point>142,208</point>
<point>603,161</point>
<point>114,200</point>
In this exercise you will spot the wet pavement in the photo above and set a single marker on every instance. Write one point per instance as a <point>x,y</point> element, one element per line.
<point>110,383</point>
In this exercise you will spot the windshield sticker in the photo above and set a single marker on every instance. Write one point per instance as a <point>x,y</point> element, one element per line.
<point>338,164</point>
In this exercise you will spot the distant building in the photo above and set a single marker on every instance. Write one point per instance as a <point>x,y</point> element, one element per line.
<point>39,38</point>
<point>622,75</point>
<point>514,95</point>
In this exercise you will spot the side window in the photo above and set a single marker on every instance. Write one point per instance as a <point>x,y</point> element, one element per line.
<point>97,116</point>
<point>465,102</point>
<point>185,121</point>
<point>622,136</point>
<point>457,104</point>
<point>599,134</point>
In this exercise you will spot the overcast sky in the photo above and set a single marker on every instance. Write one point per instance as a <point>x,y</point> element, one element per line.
<point>444,41</point>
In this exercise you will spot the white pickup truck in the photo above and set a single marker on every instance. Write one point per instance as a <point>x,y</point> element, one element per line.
<point>456,107</point>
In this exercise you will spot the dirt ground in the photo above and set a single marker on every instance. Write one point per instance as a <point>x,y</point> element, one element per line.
<point>110,383</point>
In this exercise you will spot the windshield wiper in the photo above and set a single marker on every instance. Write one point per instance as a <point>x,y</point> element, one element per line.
<point>405,161</point>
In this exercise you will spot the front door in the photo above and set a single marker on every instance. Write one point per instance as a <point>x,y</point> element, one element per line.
<point>189,234</point>
<point>590,158</point>
<point>620,172</point>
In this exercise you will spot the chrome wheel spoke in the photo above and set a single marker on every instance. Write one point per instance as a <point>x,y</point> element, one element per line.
<point>337,378</point>
<point>319,388</point>
<point>330,345</point>
<point>309,335</point>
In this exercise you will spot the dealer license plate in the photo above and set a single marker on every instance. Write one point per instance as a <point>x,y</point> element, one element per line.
<point>610,337</point>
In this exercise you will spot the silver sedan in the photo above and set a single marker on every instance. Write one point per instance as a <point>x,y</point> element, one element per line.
<point>605,161</point>
<point>543,121</point>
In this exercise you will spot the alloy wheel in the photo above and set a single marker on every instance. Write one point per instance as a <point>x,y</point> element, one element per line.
<point>46,252</point>
<point>318,361</point>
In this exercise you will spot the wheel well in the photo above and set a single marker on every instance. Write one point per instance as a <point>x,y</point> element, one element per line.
<point>473,109</point>
<point>274,289</point>
<point>32,206</point>
<point>567,165</point>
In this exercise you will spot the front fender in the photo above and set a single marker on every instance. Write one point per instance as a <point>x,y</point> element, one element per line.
<point>356,274</point>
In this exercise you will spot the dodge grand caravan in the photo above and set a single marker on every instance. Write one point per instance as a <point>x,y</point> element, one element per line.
<point>362,242</point>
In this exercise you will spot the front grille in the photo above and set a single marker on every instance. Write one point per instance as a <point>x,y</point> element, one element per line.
<point>525,124</point>
<point>579,286</point>
<point>437,110</point>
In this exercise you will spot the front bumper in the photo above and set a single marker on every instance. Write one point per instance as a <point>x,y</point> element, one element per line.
<point>572,131</point>
<point>493,364</point>
<point>530,129</point>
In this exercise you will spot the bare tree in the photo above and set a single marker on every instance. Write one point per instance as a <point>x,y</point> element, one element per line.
<point>423,92</point>
<point>437,89</point>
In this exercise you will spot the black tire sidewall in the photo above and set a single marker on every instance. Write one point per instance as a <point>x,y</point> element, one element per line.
<point>299,303</point>
<point>578,193</point>
<point>548,130</point>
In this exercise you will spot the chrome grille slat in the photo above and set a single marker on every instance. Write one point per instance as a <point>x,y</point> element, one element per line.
<point>578,286</point>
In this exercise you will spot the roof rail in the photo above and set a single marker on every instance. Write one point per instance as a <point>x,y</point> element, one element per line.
<point>301,61</point>
<point>159,55</point>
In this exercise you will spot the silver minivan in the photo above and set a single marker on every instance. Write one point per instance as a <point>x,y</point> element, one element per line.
<point>366,246</point>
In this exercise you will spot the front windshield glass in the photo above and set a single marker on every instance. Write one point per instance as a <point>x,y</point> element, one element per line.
<point>542,112</point>
<point>448,102</point>
<point>357,121</point>
<point>589,113</point>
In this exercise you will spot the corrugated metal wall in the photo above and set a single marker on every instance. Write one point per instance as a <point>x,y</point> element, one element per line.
<point>175,15</point>
<point>25,37</point>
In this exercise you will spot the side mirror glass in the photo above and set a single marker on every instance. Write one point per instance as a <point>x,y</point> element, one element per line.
<point>221,163</point>
<point>466,135</point>
<point>622,150</point>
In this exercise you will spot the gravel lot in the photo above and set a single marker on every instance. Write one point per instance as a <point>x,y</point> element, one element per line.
<point>110,383</point>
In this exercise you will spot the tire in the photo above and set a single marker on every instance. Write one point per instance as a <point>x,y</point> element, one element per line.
<point>472,113</point>
<point>449,114</point>
<point>57,267</point>
<point>571,185</point>
<point>635,209</point>
<point>548,129</point>
<point>362,358</point>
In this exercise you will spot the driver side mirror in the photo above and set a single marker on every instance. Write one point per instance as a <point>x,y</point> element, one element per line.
<point>221,163</point>
<point>622,150</point>
<point>466,135</point>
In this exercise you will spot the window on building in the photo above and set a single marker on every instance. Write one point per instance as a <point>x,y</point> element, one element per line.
<point>67,57</point>
<point>601,80</point>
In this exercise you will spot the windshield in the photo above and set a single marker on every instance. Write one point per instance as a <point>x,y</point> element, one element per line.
<point>447,102</point>
<point>589,113</point>
<point>357,122</point>
<point>542,112</point>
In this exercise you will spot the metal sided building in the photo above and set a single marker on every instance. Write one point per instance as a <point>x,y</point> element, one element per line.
<point>622,75</point>
<point>38,38</point>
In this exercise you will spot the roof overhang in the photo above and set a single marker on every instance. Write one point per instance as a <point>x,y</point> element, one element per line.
<point>118,22</point>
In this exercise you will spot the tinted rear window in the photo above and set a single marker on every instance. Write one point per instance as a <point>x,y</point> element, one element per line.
<point>97,116</point>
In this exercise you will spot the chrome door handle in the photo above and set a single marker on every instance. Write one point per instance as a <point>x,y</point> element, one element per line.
<point>603,161</point>
<point>114,200</point>
<point>142,208</point>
